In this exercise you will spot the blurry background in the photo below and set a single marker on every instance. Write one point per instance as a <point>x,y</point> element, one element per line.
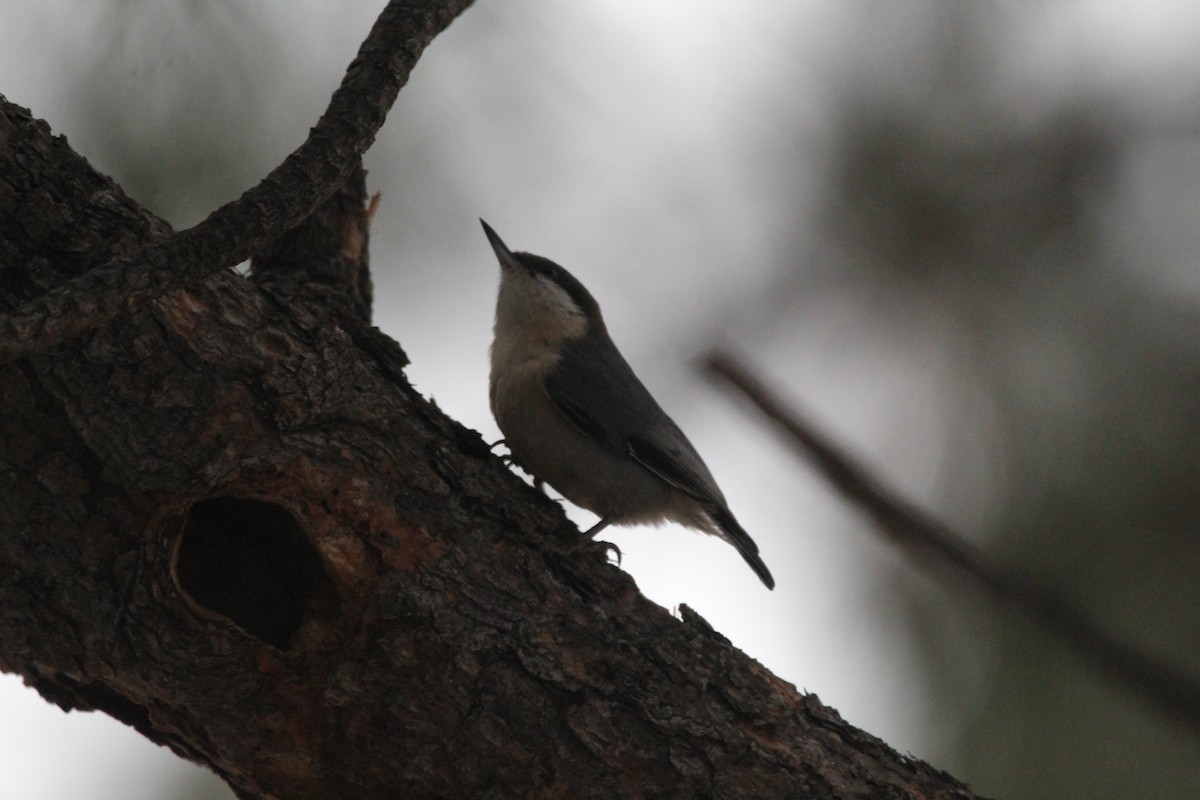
<point>962,235</point>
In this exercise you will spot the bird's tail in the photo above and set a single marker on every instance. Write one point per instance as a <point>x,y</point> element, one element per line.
<point>733,533</point>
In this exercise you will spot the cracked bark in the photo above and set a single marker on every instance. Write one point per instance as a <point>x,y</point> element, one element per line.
<point>229,522</point>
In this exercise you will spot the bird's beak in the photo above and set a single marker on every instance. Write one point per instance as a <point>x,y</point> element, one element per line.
<point>507,259</point>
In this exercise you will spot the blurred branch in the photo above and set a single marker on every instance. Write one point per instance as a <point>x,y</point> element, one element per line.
<point>925,538</point>
<point>282,199</point>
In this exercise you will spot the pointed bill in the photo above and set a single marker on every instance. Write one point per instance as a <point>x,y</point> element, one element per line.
<point>507,259</point>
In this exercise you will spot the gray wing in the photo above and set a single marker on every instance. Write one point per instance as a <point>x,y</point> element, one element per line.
<point>597,391</point>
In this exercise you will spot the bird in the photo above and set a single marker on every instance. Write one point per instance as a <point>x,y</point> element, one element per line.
<point>574,415</point>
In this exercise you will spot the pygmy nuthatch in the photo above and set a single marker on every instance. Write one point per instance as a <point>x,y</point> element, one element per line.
<point>575,416</point>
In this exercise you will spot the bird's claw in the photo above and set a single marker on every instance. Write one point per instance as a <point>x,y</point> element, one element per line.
<point>605,547</point>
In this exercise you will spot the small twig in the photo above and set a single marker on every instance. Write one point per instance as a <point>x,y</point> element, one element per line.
<point>1163,686</point>
<point>237,229</point>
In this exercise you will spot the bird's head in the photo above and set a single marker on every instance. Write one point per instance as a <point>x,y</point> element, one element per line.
<point>540,302</point>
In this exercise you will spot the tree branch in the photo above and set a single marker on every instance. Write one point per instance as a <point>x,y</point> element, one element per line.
<point>232,526</point>
<point>325,258</point>
<point>238,229</point>
<point>930,541</point>
<point>230,522</point>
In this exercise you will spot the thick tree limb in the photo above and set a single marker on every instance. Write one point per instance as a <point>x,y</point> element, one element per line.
<point>231,527</point>
<point>1162,686</point>
<point>325,258</point>
<point>238,229</point>
<point>227,520</point>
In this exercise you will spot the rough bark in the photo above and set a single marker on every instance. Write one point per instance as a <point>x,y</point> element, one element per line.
<point>228,521</point>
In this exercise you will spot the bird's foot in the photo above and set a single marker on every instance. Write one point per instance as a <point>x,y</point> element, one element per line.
<point>589,537</point>
<point>610,548</point>
<point>612,553</point>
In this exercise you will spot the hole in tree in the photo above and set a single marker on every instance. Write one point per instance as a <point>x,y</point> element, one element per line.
<point>251,562</point>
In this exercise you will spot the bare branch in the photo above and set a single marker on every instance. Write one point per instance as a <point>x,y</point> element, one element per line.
<point>281,200</point>
<point>1161,685</point>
